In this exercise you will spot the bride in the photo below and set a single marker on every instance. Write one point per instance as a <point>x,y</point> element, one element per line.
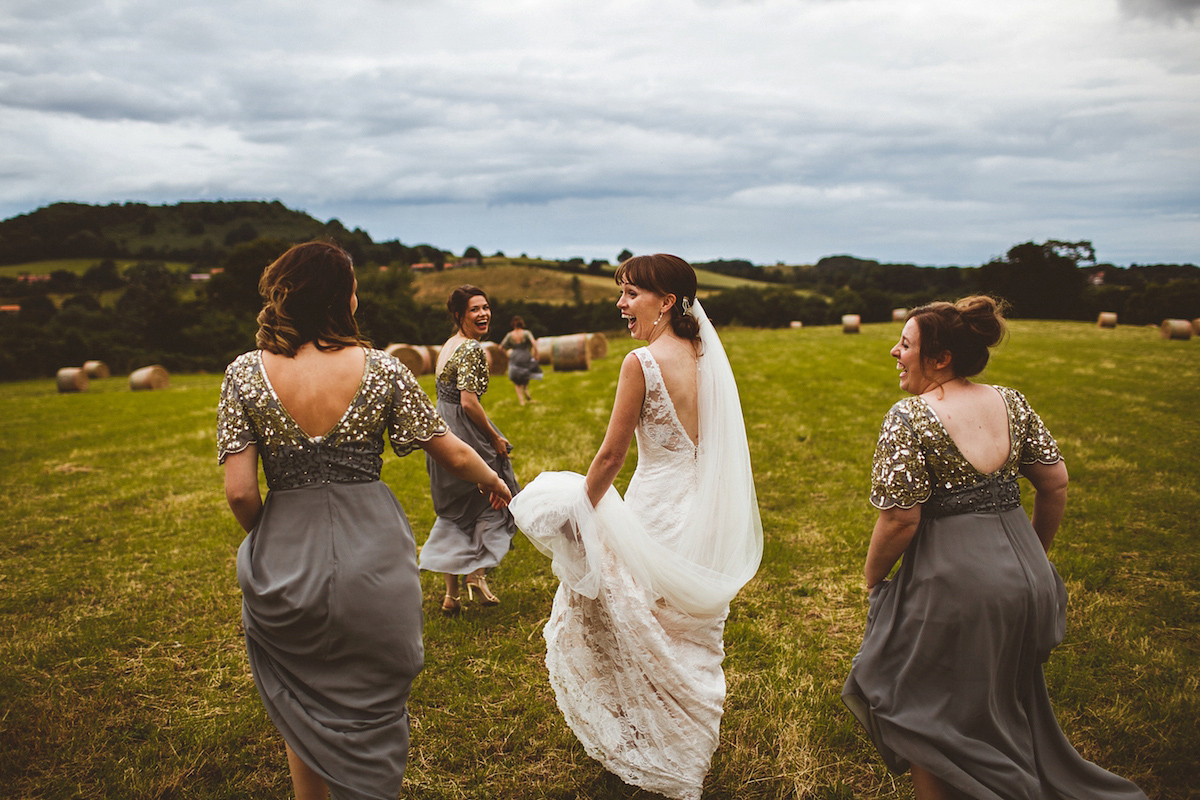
<point>634,641</point>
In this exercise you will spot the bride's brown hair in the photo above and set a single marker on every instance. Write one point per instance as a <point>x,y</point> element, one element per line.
<point>665,274</point>
<point>306,298</point>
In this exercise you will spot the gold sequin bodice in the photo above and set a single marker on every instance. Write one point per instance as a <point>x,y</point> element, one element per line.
<point>916,461</point>
<point>389,401</point>
<point>465,371</point>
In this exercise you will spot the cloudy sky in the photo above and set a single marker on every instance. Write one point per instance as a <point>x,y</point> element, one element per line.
<point>927,131</point>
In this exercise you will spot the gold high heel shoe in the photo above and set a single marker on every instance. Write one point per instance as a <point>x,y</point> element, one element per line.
<point>451,605</point>
<point>477,581</point>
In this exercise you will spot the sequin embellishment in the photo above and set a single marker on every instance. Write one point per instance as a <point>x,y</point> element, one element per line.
<point>389,401</point>
<point>915,459</point>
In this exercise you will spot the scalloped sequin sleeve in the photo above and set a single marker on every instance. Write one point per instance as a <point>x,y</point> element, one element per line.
<point>234,430</point>
<point>413,417</point>
<point>472,368</point>
<point>1037,445</point>
<point>899,474</point>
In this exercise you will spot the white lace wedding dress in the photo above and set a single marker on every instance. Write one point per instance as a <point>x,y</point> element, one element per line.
<point>638,680</point>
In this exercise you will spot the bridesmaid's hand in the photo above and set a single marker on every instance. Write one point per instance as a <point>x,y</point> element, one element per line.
<point>497,491</point>
<point>502,446</point>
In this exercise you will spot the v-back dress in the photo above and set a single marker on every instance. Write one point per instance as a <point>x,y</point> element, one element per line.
<point>522,366</point>
<point>640,682</point>
<point>949,675</point>
<point>468,533</point>
<point>331,596</point>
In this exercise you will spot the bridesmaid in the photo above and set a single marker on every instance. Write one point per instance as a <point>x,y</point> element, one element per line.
<point>948,682</point>
<point>469,536</point>
<point>522,359</point>
<point>331,598</point>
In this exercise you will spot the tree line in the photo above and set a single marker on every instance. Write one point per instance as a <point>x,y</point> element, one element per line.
<point>146,313</point>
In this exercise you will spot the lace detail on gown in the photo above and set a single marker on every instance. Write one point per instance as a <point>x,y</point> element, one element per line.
<point>638,681</point>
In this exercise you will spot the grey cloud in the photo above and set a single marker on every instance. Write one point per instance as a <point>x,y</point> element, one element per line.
<point>1167,10</point>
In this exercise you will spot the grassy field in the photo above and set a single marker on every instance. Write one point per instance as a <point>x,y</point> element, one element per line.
<point>123,673</point>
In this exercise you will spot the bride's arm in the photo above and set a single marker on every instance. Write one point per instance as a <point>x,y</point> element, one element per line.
<point>631,391</point>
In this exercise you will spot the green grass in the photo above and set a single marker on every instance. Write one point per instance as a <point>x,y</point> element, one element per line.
<point>123,674</point>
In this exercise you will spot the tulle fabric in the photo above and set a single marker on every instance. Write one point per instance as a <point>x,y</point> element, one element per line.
<point>720,550</point>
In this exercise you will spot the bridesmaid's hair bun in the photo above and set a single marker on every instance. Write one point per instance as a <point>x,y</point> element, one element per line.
<point>965,329</point>
<point>983,318</point>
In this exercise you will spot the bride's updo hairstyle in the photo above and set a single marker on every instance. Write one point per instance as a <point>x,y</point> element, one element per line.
<point>306,298</point>
<point>965,329</point>
<point>665,274</point>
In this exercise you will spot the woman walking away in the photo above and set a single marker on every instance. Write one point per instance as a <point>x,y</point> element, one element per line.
<point>470,536</point>
<point>634,641</point>
<point>331,595</point>
<point>522,359</point>
<point>948,682</point>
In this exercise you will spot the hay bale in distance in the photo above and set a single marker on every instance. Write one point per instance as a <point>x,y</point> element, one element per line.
<point>96,369</point>
<point>570,353</point>
<point>850,323</point>
<point>72,379</point>
<point>154,376</point>
<point>415,357</point>
<point>1176,329</point>
<point>597,345</point>
<point>796,324</point>
<point>1107,319</point>
<point>1196,326</point>
<point>497,358</point>
<point>545,346</point>
<point>898,314</point>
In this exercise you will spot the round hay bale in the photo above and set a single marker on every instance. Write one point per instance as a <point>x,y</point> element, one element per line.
<point>72,379</point>
<point>497,358</point>
<point>597,345</point>
<point>545,346</point>
<point>1176,329</point>
<point>96,369</point>
<point>1196,326</point>
<point>850,323</point>
<point>415,357</point>
<point>898,314</point>
<point>796,323</point>
<point>1107,319</point>
<point>570,353</point>
<point>151,377</point>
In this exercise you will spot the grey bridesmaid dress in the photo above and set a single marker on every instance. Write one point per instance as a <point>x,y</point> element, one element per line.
<point>949,675</point>
<point>331,596</point>
<point>468,533</point>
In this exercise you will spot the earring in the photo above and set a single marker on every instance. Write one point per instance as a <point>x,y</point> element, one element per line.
<point>659,318</point>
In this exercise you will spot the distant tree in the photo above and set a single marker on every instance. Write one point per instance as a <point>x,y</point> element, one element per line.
<point>102,276</point>
<point>1039,280</point>
<point>242,233</point>
<point>624,255</point>
<point>82,300</point>
<point>473,252</point>
<point>37,309</point>
<point>597,266</point>
<point>235,288</point>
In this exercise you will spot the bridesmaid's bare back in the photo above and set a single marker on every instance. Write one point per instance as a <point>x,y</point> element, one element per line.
<point>976,418</point>
<point>315,386</point>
